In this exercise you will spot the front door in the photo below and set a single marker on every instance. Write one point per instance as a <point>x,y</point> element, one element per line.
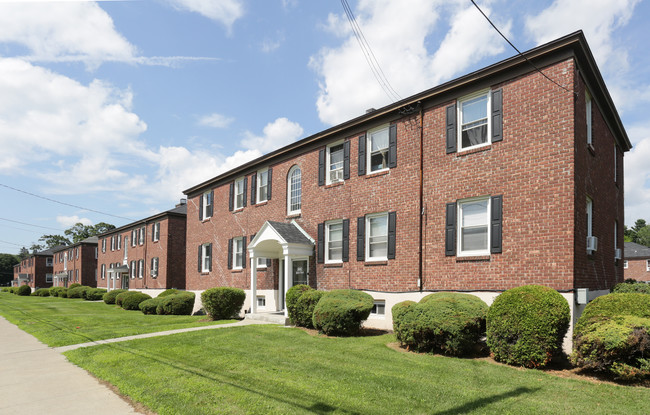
<point>125,281</point>
<point>299,272</point>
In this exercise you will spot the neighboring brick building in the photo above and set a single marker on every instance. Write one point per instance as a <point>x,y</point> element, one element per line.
<point>148,254</point>
<point>494,180</point>
<point>76,263</point>
<point>637,262</point>
<point>35,270</point>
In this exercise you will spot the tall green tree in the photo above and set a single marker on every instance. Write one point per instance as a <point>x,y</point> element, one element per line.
<point>7,262</point>
<point>50,241</point>
<point>78,232</point>
<point>640,228</point>
<point>23,253</point>
<point>643,236</point>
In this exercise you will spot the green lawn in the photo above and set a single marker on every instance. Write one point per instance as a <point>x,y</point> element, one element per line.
<point>270,369</point>
<point>62,321</point>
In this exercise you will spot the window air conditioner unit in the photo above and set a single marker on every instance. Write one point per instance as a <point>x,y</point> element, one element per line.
<point>617,253</point>
<point>592,243</point>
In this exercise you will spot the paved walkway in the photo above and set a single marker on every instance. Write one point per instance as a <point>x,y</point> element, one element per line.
<point>37,379</point>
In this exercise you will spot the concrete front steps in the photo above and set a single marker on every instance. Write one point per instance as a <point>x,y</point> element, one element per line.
<point>270,317</point>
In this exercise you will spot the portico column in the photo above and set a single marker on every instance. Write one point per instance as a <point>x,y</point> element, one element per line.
<point>287,267</point>
<point>253,284</point>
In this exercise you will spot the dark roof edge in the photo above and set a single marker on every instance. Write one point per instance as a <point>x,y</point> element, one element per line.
<point>575,41</point>
<point>171,212</point>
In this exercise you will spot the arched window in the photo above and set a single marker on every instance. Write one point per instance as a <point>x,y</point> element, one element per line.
<point>294,190</point>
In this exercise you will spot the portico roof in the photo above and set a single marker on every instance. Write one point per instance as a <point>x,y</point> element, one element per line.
<point>279,239</point>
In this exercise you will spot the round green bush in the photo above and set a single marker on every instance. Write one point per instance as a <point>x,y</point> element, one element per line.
<point>304,308</point>
<point>23,290</point>
<point>133,299</point>
<point>78,292</point>
<point>109,297</point>
<point>291,299</point>
<point>74,285</point>
<point>341,312</point>
<point>169,291</point>
<point>63,293</point>
<point>449,323</point>
<point>632,287</point>
<point>95,294</point>
<point>223,302</point>
<point>149,306</point>
<point>54,291</point>
<point>119,300</point>
<point>613,335</point>
<point>180,304</point>
<point>526,325</point>
<point>42,292</point>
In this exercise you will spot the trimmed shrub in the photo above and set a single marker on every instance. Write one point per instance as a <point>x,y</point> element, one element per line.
<point>109,297</point>
<point>613,335</point>
<point>341,312</point>
<point>42,292</point>
<point>169,291</point>
<point>6,289</point>
<point>291,299</point>
<point>449,323</point>
<point>632,287</point>
<point>78,292</point>
<point>180,304</point>
<point>74,285</point>
<point>133,299</point>
<point>121,296</point>
<point>95,294</point>
<point>23,290</point>
<point>63,293</point>
<point>149,306</point>
<point>304,308</point>
<point>526,325</point>
<point>223,302</point>
<point>54,291</point>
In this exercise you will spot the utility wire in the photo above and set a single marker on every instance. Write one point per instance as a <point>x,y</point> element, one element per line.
<point>29,224</point>
<point>65,204</point>
<point>369,55</point>
<point>520,54</point>
<point>11,243</point>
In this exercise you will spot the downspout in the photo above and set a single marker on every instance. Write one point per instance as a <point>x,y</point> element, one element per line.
<point>421,207</point>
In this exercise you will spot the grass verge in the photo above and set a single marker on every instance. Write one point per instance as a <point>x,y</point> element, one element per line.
<point>267,369</point>
<point>64,321</point>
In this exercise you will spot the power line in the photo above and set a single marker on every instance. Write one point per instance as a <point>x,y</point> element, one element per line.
<point>29,224</point>
<point>369,55</point>
<point>520,54</point>
<point>65,204</point>
<point>11,243</point>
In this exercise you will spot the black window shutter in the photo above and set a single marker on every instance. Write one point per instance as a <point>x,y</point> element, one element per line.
<point>451,129</point>
<point>392,228</point>
<point>253,188</point>
<point>496,223</point>
<point>153,231</point>
<point>450,230</point>
<point>211,206</point>
<point>346,240</point>
<point>321,243</point>
<point>346,160</point>
<point>245,189</point>
<point>200,257</point>
<point>321,167</point>
<point>210,256</point>
<point>229,253</point>
<point>497,116</point>
<point>268,185</point>
<point>361,238</point>
<point>268,262</point>
<point>200,208</point>
<point>392,146</point>
<point>243,252</point>
<point>230,198</point>
<point>362,155</point>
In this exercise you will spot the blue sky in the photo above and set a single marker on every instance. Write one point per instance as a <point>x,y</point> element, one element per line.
<point>118,106</point>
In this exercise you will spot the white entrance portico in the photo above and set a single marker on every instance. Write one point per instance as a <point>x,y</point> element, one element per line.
<point>291,246</point>
<point>114,275</point>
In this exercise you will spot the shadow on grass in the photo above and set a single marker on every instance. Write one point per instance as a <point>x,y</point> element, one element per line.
<point>480,403</point>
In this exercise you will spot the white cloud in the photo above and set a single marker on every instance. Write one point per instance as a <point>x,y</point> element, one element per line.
<point>269,45</point>
<point>225,12</point>
<point>398,33</point>
<point>68,221</point>
<point>637,175</point>
<point>276,134</point>
<point>215,120</point>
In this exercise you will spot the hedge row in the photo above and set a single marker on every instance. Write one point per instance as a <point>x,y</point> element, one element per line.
<point>179,303</point>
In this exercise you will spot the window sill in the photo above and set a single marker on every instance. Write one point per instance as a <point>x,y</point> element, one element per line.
<point>238,210</point>
<point>374,263</point>
<point>204,220</point>
<point>333,265</point>
<point>377,173</point>
<point>592,150</point>
<point>261,203</point>
<point>293,215</point>
<point>335,184</point>
<point>238,270</point>
<point>462,153</point>
<point>205,273</point>
<point>478,258</point>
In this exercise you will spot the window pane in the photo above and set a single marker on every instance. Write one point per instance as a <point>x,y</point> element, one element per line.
<point>378,236</point>
<point>262,183</point>
<point>379,160</point>
<point>474,213</point>
<point>474,109</point>
<point>474,135</point>
<point>238,253</point>
<point>296,191</point>
<point>379,140</point>
<point>474,239</point>
<point>335,242</point>
<point>336,163</point>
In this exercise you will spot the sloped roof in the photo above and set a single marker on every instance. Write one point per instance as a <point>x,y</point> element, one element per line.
<point>290,233</point>
<point>634,250</point>
<point>177,211</point>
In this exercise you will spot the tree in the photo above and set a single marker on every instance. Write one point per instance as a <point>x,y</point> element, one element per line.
<point>632,235</point>
<point>51,241</point>
<point>78,232</point>
<point>7,262</point>
<point>643,236</point>
<point>24,253</point>
<point>36,248</point>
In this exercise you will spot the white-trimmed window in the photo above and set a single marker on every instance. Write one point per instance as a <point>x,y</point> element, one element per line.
<point>126,247</point>
<point>588,117</point>
<point>335,163</point>
<point>103,244</point>
<point>95,252</point>
<point>134,237</point>
<point>239,194</point>
<point>76,250</point>
<point>119,242</point>
<point>48,278</point>
<point>103,272</point>
<point>261,262</point>
<point>473,227</point>
<point>294,191</point>
<point>112,244</point>
<point>261,302</point>
<point>140,268</point>
<point>134,269</point>
<point>206,257</point>
<point>154,267</point>
<point>474,120</point>
<point>142,232</point>
<point>76,275</point>
<point>377,237</point>
<point>647,264</point>
<point>378,144</point>
<point>207,204</point>
<point>590,214</point>
<point>156,231</point>
<point>262,184</point>
<point>378,308</point>
<point>334,241</point>
<point>48,262</point>
<point>237,253</point>
<point>625,264</point>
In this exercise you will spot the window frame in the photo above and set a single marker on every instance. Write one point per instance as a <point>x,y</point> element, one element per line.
<point>235,242</point>
<point>207,201</point>
<point>103,245</point>
<point>589,117</point>
<point>103,271</point>
<point>263,265</point>
<point>369,151</point>
<point>205,258</point>
<point>459,227</point>
<point>590,218</point>
<point>140,268</point>
<point>368,232</point>
<point>156,232</point>
<point>258,185</point>
<point>134,237</point>
<point>377,304</point>
<point>141,235</point>
<point>625,264</point>
<point>49,262</point>
<point>459,117</point>
<point>155,263</point>
<point>49,277</point>
<point>290,191</point>
<point>328,240</point>
<point>235,205</point>
<point>647,265</point>
<point>328,162</point>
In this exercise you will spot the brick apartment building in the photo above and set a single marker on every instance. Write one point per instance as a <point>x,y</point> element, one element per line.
<point>494,180</point>
<point>148,254</point>
<point>35,270</point>
<point>76,263</point>
<point>637,262</point>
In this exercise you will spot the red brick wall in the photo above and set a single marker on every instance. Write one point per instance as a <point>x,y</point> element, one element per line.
<point>82,266</point>
<point>637,269</point>
<point>37,269</point>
